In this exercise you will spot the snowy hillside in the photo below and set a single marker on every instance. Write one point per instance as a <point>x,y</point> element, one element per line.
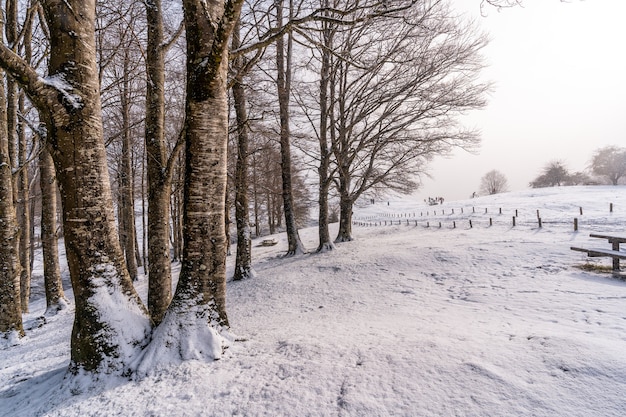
<point>406,320</point>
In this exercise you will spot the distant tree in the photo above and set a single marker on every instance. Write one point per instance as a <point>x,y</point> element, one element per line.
<point>554,174</point>
<point>580,178</point>
<point>609,162</point>
<point>493,182</point>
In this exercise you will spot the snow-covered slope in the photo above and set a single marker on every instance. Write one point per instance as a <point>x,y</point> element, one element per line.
<point>404,321</point>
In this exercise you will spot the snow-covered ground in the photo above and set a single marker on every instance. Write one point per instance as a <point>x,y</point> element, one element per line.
<point>406,320</point>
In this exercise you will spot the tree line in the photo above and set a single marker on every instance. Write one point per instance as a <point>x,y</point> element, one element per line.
<point>606,166</point>
<point>197,111</point>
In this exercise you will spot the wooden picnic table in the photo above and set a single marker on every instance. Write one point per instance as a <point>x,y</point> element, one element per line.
<point>614,252</point>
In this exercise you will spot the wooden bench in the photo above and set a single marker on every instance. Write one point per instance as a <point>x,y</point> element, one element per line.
<point>614,252</point>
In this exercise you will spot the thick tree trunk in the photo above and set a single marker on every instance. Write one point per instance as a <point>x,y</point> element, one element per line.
<point>55,297</point>
<point>283,82</point>
<point>203,272</point>
<point>196,319</point>
<point>243,261</point>
<point>159,179</point>
<point>10,309</point>
<point>110,323</point>
<point>345,219</point>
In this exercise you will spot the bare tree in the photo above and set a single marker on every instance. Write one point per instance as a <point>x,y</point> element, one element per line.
<point>398,86</point>
<point>554,173</point>
<point>493,182</point>
<point>609,162</point>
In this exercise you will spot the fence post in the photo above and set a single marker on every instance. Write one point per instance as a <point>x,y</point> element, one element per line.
<point>500,210</point>
<point>581,211</point>
<point>454,225</point>
<point>539,221</point>
<point>513,221</point>
<point>538,214</point>
<point>485,210</point>
<point>427,224</point>
<point>490,222</point>
<point>515,212</point>
<point>575,224</point>
<point>611,208</point>
<point>470,223</point>
<point>440,225</point>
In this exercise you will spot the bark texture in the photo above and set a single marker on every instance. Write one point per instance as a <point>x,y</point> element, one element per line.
<point>203,271</point>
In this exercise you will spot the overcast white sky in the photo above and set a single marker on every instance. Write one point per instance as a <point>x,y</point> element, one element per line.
<point>559,72</point>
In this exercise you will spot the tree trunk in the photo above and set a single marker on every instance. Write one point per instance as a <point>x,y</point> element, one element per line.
<point>203,272</point>
<point>177,222</point>
<point>126,183</point>
<point>243,261</point>
<point>55,297</point>
<point>23,210</point>
<point>255,193</point>
<point>11,101</point>
<point>345,219</point>
<point>197,316</point>
<point>10,309</point>
<point>227,221</point>
<point>111,324</point>
<point>159,174</point>
<point>325,243</point>
<point>283,82</point>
